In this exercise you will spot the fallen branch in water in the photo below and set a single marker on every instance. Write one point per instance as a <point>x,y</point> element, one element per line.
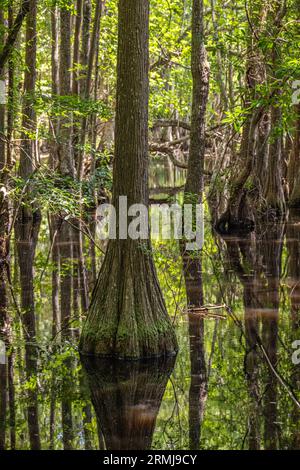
<point>205,311</point>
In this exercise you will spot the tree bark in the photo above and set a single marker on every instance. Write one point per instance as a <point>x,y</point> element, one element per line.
<point>27,154</point>
<point>128,316</point>
<point>66,161</point>
<point>274,194</point>
<point>200,73</point>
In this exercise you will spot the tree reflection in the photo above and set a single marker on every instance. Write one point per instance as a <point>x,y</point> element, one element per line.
<point>198,388</point>
<point>256,259</point>
<point>126,397</point>
<point>27,237</point>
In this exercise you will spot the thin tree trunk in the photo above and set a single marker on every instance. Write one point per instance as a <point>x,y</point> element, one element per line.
<point>200,73</point>
<point>11,92</point>
<point>91,47</point>
<point>27,153</point>
<point>76,48</point>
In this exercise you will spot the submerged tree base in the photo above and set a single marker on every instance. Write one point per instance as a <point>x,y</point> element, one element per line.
<point>128,317</point>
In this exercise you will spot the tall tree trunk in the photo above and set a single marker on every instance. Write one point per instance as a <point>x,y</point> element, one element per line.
<point>27,153</point>
<point>294,164</point>
<point>199,379</point>
<point>193,194</point>
<point>11,92</point>
<point>271,246</point>
<point>54,223</point>
<point>66,161</point>
<point>66,168</point>
<point>2,107</point>
<point>76,48</point>
<point>128,316</point>
<point>3,260</point>
<point>236,214</point>
<point>28,224</point>
<point>274,194</point>
<point>89,53</point>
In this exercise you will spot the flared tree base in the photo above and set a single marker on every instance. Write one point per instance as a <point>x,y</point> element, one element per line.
<point>128,317</point>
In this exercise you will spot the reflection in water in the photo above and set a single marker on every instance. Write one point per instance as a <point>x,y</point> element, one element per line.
<point>256,259</point>
<point>126,397</point>
<point>192,268</point>
<point>293,245</point>
<point>45,396</point>
<point>271,247</point>
<point>243,259</point>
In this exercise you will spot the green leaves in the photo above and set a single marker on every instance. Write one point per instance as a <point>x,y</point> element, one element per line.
<point>56,193</point>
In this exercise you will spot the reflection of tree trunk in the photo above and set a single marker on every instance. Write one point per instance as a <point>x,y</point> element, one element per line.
<point>235,216</point>
<point>271,249</point>
<point>4,222</point>
<point>86,413</point>
<point>3,404</point>
<point>65,254</point>
<point>128,316</point>
<point>252,365</point>
<point>66,270</point>
<point>274,193</point>
<point>244,261</point>
<point>27,236</point>
<point>127,397</point>
<point>193,193</point>
<point>11,395</point>
<point>198,387</point>
<point>54,228</point>
<point>258,266</point>
<point>293,244</point>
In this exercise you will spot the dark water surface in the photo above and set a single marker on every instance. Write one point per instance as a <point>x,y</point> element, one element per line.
<point>233,385</point>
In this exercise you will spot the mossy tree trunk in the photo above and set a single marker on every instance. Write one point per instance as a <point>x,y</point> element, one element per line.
<point>199,376</point>
<point>294,165</point>
<point>271,249</point>
<point>200,74</point>
<point>252,157</point>
<point>128,316</point>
